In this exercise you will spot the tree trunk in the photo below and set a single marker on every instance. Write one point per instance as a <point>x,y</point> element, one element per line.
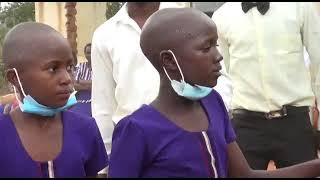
<point>71,26</point>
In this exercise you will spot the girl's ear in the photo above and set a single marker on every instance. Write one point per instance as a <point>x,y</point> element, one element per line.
<point>167,61</point>
<point>12,77</point>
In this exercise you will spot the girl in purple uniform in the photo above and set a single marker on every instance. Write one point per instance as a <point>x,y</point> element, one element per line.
<point>185,131</point>
<point>83,85</point>
<point>40,137</point>
<point>2,108</point>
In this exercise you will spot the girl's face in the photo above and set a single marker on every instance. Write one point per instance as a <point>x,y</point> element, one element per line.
<point>48,75</point>
<point>199,57</point>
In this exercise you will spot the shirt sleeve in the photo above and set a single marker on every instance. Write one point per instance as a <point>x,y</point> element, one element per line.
<point>78,73</point>
<point>223,44</point>
<point>229,133</point>
<point>103,87</point>
<point>128,149</point>
<point>224,85</point>
<point>98,158</point>
<point>310,29</point>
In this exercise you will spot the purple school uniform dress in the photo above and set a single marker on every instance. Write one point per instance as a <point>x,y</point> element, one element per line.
<point>83,105</point>
<point>84,72</point>
<point>147,144</point>
<point>83,152</point>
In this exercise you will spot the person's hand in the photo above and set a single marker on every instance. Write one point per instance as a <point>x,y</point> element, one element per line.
<point>315,116</point>
<point>7,99</point>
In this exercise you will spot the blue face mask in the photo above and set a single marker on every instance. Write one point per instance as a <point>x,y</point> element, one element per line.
<point>186,90</point>
<point>30,105</point>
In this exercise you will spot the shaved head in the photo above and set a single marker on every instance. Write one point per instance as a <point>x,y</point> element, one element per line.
<point>43,61</point>
<point>26,41</point>
<point>171,28</point>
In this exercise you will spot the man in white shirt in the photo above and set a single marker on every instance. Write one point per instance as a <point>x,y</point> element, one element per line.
<point>123,78</point>
<point>314,112</point>
<point>262,45</point>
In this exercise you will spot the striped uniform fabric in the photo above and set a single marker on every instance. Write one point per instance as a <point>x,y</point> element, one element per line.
<point>83,72</point>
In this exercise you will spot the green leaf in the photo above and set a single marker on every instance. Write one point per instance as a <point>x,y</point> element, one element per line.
<point>112,8</point>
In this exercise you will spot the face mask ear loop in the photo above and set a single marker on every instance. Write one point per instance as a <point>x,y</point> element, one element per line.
<point>167,73</point>
<point>16,72</point>
<point>74,91</point>
<point>15,94</point>
<point>175,59</point>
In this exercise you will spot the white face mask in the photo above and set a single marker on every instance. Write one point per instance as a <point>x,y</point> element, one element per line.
<point>186,90</point>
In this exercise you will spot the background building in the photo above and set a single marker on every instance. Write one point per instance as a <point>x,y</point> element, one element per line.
<point>75,20</point>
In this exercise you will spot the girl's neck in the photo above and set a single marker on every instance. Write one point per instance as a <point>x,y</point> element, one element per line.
<point>33,120</point>
<point>168,98</point>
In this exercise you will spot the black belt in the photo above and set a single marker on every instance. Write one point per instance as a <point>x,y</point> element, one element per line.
<point>272,114</point>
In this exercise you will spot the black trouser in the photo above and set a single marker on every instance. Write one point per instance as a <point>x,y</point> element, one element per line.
<point>286,140</point>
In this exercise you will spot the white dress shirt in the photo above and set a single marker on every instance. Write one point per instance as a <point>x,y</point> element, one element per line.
<point>224,86</point>
<point>122,77</point>
<point>306,58</point>
<point>264,54</point>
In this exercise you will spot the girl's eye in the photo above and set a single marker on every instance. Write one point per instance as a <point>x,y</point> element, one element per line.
<point>70,68</point>
<point>206,49</point>
<point>52,69</point>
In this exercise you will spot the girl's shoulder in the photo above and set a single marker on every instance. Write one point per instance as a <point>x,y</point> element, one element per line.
<point>78,122</point>
<point>74,116</point>
<point>146,117</point>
